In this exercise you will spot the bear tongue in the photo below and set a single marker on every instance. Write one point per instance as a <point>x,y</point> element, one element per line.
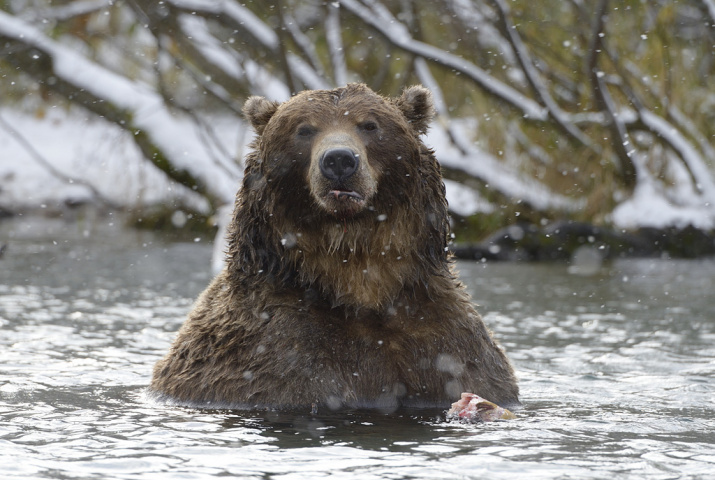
<point>345,195</point>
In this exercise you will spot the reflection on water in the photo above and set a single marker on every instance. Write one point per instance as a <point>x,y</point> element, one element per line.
<point>616,370</point>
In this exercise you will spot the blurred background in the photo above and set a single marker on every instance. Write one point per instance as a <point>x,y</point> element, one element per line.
<point>598,113</point>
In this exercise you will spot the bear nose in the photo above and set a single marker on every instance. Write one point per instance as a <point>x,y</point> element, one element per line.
<point>339,163</point>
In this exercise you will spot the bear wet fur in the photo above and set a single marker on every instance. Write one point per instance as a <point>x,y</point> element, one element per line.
<point>338,288</point>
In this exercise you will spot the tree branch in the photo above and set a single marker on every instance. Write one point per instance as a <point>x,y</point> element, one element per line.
<point>66,12</point>
<point>19,138</point>
<point>542,93</point>
<point>710,7</point>
<point>333,35</point>
<point>622,142</point>
<point>126,103</point>
<point>304,44</point>
<point>395,32</point>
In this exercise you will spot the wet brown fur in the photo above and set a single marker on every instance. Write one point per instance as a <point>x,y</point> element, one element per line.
<point>354,306</point>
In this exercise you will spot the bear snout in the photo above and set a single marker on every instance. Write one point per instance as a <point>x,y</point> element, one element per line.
<point>340,176</point>
<point>338,164</point>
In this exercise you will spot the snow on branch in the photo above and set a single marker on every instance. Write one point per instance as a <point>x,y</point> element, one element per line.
<point>196,29</point>
<point>710,6</point>
<point>622,143</point>
<point>678,117</point>
<point>241,17</point>
<point>304,43</point>
<point>492,173</point>
<point>219,68</point>
<point>695,163</point>
<point>238,17</point>
<point>65,12</point>
<point>168,139</point>
<point>443,118</point>
<point>395,32</point>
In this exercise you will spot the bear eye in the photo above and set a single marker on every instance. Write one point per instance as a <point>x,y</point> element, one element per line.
<point>369,126</point>
<point>306,131</point>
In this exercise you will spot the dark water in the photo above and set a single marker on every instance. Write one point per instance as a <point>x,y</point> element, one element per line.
<point>616,370</point>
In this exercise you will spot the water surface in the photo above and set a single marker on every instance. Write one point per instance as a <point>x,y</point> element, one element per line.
<point>616,372</point>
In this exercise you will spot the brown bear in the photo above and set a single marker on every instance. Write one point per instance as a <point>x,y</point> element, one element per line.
<point>338,289</point>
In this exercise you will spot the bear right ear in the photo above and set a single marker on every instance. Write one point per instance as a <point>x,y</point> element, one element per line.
<point>259,111</point>
<point>417,106</point>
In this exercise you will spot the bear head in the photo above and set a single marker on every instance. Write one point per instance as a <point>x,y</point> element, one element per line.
<point>342,142</point>
<point>340,178</point>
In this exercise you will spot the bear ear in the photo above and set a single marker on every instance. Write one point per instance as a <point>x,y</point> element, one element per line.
<point>417,106</point>
<point>259,111</point>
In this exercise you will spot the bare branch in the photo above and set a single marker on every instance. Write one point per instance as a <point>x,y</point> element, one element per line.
<point>542,93</point>
<point>282,57</point>
<point>622,142</point>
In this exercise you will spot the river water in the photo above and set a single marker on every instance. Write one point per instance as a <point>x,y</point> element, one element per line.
<point>617,373</point>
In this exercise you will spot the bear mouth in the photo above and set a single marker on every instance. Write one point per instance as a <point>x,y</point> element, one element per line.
<point>346,196</point>
<point>344,203</point>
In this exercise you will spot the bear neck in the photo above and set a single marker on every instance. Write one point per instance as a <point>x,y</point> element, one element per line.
<point>362,264</point>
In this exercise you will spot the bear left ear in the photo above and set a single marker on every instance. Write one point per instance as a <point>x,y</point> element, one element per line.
<point>416,105</point>
<point>259,111</point>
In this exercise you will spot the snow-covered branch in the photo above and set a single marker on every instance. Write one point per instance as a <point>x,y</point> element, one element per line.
<point>710,6</point>
<point>499,178</point>
<point>169,140</point>
<point>232,13</point>
<point>304,44</point>
<point>398,34</point>
<point>443,118</point>
<point>253,31</point>
<point>65,12</point>
<point>702,175</point>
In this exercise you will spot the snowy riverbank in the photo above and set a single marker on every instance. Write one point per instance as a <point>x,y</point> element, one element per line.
<point>67,157</point>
